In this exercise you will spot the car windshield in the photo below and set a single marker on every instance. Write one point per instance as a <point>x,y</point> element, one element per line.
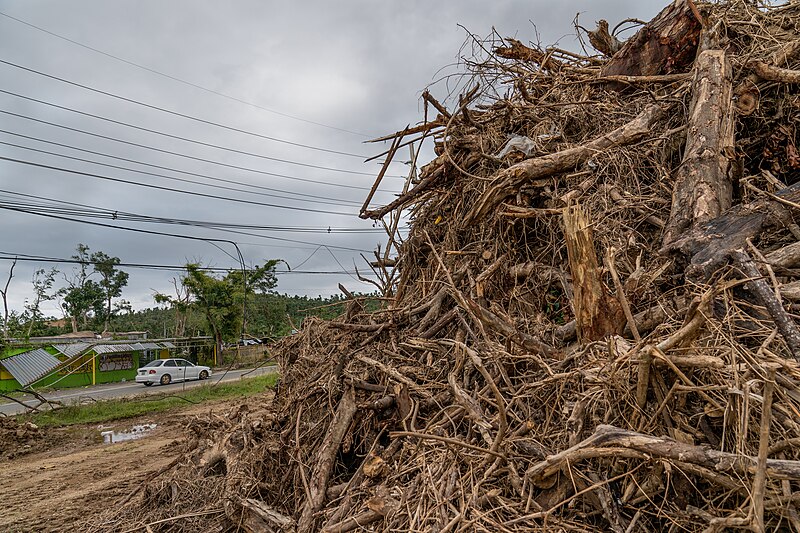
<point>157,362</point>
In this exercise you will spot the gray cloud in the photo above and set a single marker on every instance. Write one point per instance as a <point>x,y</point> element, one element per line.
<point>358,65</point>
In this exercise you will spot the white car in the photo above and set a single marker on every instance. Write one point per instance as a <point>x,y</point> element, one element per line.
<point>165,371</point>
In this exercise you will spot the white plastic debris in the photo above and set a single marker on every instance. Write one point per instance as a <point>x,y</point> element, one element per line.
<point>517,142</point>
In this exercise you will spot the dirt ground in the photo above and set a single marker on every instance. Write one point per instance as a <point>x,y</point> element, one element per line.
<point>69,474</point>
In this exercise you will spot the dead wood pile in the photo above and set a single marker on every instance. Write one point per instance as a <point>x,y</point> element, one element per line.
<point>592,330</point>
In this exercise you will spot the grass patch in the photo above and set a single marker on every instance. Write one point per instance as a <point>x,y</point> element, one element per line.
<point>117,409</point>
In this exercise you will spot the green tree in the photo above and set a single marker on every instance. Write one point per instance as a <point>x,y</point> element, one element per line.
<point>223,300</point>
<point>112,280</point>
<point>42,284</point>
<point>84,296</point>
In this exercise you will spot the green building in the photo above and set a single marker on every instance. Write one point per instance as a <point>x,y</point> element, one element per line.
<point>61,363</point>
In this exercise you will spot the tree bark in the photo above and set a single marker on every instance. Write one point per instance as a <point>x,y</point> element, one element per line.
<point>665,45</point>
<point>508,181</point>
<point>326,458</point>
<point>773,73</point>
<point>709,246</point>
<point>702,189</point>
<point>786,257</point>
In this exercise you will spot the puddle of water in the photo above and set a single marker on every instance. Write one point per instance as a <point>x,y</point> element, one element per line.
<point>136,432</point>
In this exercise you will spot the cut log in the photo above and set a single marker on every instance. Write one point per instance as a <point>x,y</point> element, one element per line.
<point>508,181</point>
<point>748,93</point>
<point>786,257</point>
<point>258,517</point>
<point>791,291</point>
<point>665,45</point>
<point>702,189</point>
<point>326,458</point>
<point>597,313</point>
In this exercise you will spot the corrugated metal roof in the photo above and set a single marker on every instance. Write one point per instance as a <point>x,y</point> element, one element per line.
<point>114,348</point>
<point>167,344</point>
<point>29,366</point>
<point>72,349</point>
<point>149,345</point>
<point>141,346</point>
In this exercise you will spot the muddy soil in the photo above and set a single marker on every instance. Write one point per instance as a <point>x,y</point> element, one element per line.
<point>68,475</point>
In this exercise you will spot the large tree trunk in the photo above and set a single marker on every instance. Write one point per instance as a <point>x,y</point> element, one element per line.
<point>666,44</point>
<point>703,189</point>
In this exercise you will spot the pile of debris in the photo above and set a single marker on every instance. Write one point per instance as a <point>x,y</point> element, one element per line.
<point>591,324</point>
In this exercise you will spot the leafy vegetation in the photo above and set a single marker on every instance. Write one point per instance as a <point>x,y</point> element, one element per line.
<point>269,315</point>
<point>108,410</point>
<point>223,307</point>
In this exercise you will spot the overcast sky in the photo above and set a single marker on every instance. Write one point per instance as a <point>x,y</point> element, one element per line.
<point>327,75</point>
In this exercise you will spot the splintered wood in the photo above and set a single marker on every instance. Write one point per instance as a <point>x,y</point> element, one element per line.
<point>590,325</point>
<point>597,313</point>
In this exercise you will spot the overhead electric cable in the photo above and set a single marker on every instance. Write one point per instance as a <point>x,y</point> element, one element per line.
<point>179,80</point>
<point>179,171</point>
<point>178,154</point>
<point>57,205</point>
<point>173,178</point>
<point>169,189</point>
<point>43,259</point>
<point>177,113</point>
<point>179,236</point>
<point>180,138</point>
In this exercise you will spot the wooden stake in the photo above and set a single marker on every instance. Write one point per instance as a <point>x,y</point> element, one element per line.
<point>760,479</point>
<point>597,313</point>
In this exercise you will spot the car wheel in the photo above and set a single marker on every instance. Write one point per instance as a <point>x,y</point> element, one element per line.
<point>203,375</point>
<point>166,379</point>
<point>148,383</point>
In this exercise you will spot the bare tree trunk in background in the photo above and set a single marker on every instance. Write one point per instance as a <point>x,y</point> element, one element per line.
<point>4,294</point>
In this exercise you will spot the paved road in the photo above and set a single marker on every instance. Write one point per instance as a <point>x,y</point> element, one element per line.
<point>121,390</point>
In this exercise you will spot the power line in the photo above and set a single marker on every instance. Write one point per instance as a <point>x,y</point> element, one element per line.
<point>165,234</point>
<point>7,256</point>
<point>179,171</point>
<point>143,218</point>
<point>173,178</point>
<point>185,156</point>
<point>178,137</point>
<point>179,80</point>
<point>177,113</point>
<point>169,189</point>
<point>103,212</point>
